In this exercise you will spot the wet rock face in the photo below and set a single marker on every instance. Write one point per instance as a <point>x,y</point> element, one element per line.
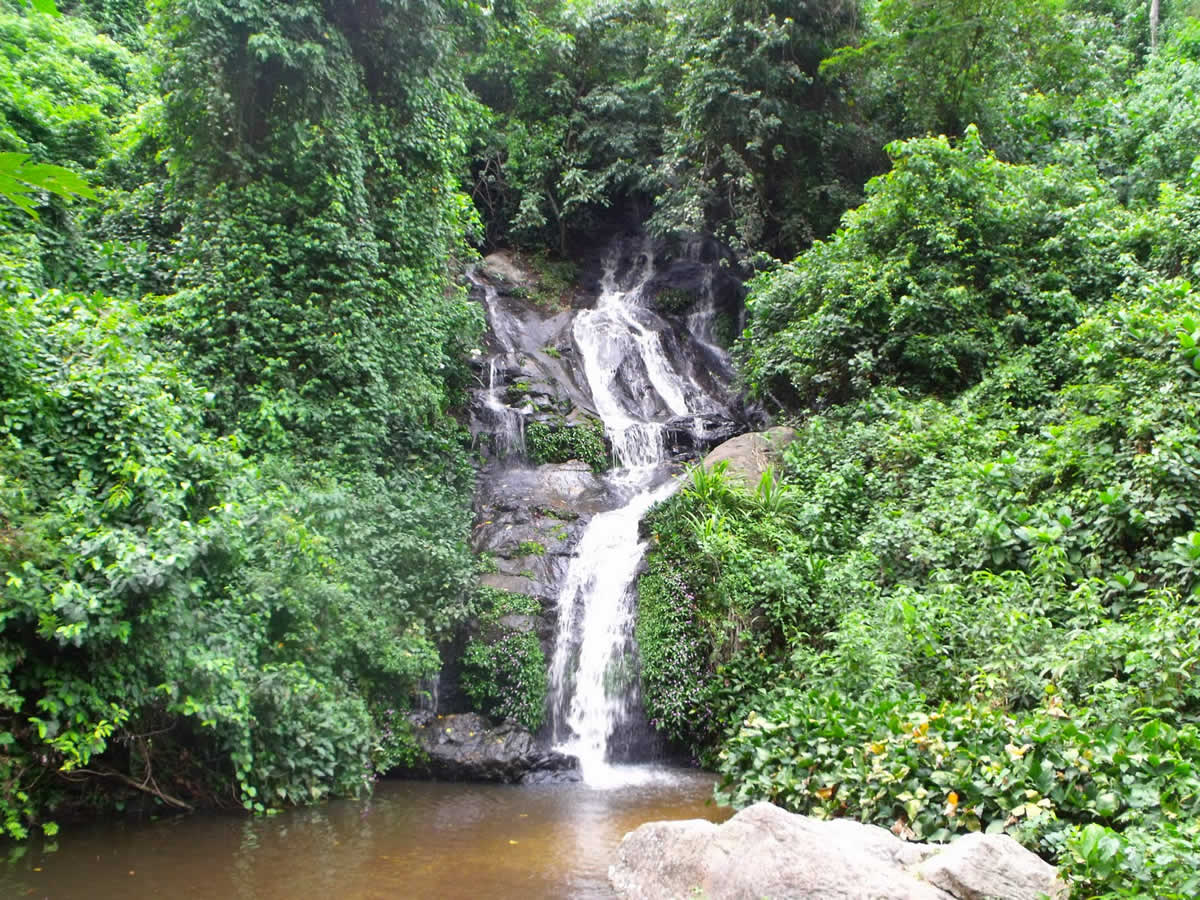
<point>527,369</point>
<point>529,519</point>
<point>643,332</point>
<point>532,370</point>
<point>692,437</point>
<point>470,747</point>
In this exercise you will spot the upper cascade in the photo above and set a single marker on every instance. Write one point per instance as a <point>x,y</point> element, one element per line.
<point>645,359</point>
<point>624,343</point>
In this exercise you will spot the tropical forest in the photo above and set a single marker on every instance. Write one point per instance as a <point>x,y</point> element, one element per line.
<point>765,400</point>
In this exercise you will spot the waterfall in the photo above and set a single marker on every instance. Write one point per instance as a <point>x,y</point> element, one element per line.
<point>637,387</point>
<point>505,424</point>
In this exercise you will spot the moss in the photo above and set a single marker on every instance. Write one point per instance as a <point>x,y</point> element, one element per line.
<point>724,330</point>
<point>530,548</point>
<point>495,603</point>
<point>554,281</point>
<point>517,391</point>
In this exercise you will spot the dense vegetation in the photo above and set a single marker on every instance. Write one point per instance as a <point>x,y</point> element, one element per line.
<point>233,489</point>
<point>504,668</point>
<point>966,597</point>
<point>233,509</point>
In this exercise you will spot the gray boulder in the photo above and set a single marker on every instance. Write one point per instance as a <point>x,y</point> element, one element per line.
<point>766,852</point>
<point>470,747</point>
<point>982,866</point>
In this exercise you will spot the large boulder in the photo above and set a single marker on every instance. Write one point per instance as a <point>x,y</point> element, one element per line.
<point>767,852</point>
<point>981,866</point>
<point>470,747</point>
<point>748,455</point>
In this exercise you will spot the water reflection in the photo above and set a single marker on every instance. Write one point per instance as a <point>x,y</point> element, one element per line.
<point>410,839</point>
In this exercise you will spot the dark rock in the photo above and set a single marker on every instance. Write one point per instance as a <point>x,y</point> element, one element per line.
<point>520,624</point>
<point>691,436</point>
<point>517,584</point>
<point>470,747</point>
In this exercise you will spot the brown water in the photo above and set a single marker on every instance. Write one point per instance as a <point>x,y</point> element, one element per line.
<point>409,839</point>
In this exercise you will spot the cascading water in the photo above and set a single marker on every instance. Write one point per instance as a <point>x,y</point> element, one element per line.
<point>505,424</point>
<point>508,425</point>
<point>637,388</point>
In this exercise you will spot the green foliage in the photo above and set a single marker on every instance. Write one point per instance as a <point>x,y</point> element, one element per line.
<point>65,93</point>
<point>962,767</point>
<point>761,150</point>
<point>710,111</point>
<point>577,114</point>
<point>20,179</point>
<point>559,442</point>
<point>725,584</point>
<point>967,599</point>
<point>312,282</point>
<point>1105,863</point>
<point>504,668</point>
<point>551,286</point>
<point>396,745</point>
<point>154,580</point>
<point>226,620</point>
<point>955,261</point>
<point>675,658</point>
<point>962,61</point>
<point>63,88</point>
<point>988,617</point>
<point>673,300</point>
<point>1152,137</point>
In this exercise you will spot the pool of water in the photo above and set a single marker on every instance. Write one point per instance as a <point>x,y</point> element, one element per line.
<point>407,840</point>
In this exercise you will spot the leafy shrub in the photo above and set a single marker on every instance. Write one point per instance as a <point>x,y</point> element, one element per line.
<point>935,772</point>
<point>1151,138</point>
<point>156,583</point>
<point>968,602</point>
<point>395,745</point>
<point>555,281</point>
<point>558,442</point>
<point>675,659</point>
<point>504,668</point>
<point>1163,861</point>
<point>673,300</point>
<point>955,260</point>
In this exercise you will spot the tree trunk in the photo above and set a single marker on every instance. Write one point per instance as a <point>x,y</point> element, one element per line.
<point>1154,9</point>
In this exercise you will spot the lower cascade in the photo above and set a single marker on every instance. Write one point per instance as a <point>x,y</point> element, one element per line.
<point>593,686</point>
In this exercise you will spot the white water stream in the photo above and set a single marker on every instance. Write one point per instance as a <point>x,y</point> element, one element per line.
<point>507,425</point>
<point>636,388</point>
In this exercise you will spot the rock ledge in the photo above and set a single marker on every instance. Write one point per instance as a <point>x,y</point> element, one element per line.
<point>469,747</point>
